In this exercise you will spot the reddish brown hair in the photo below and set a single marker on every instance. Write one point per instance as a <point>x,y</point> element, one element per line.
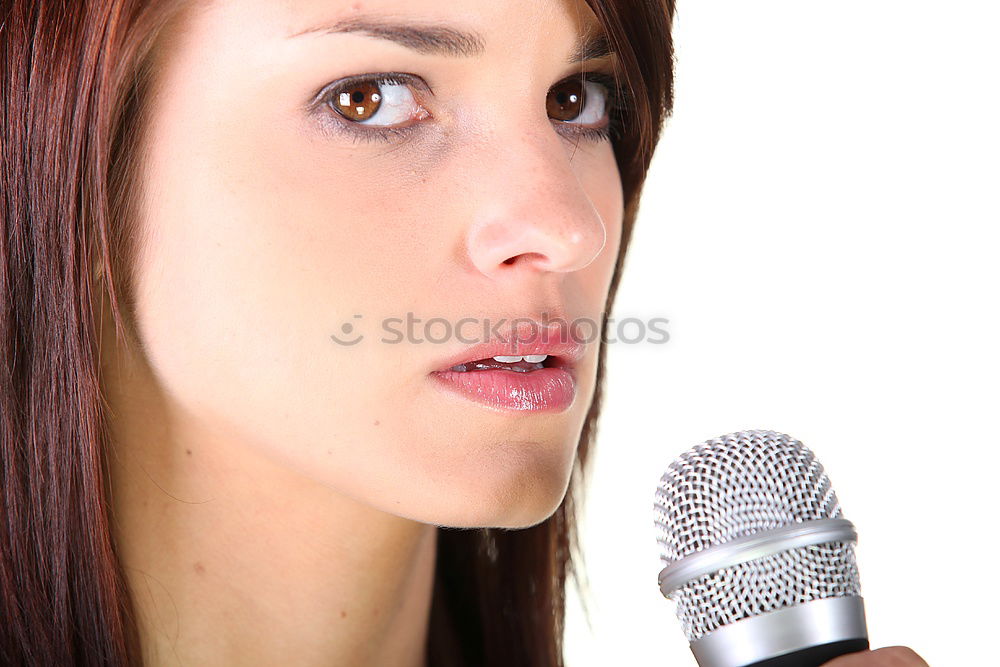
<point>74,78</point>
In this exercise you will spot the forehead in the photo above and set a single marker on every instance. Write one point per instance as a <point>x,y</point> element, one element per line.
<point>494,23</point>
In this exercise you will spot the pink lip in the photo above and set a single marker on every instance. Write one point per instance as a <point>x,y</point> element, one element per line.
<point>549,389</point>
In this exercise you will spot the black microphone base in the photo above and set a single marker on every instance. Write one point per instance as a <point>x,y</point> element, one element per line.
<point>814,656</point>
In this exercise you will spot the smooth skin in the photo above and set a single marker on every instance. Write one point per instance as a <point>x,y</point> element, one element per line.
<point>276,495</point>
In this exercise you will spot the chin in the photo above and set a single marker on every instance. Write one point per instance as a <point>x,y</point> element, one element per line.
<point>523,490</point>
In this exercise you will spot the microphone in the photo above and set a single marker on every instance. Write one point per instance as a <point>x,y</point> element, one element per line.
<point>757,556</point>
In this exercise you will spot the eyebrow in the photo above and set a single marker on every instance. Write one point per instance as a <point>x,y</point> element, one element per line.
<point>446,40</point>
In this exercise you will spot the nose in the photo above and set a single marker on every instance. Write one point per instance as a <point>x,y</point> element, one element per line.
<point>531,212</point>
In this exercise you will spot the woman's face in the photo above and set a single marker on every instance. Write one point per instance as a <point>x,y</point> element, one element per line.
<point>274,224</point>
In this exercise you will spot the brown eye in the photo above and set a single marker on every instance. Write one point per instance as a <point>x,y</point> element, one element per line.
<point>357,101</point>
<point>374,100</point>
<point>582,102</point>
<point>566,100</point>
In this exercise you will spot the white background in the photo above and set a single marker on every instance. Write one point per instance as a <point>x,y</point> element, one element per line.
<point>820,228</point>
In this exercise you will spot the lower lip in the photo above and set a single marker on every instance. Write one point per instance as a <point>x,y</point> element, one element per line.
<point>547,389</point>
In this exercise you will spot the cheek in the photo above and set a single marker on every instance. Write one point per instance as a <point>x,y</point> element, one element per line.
<point>610,200</point>
<point>255,252</point>
<point>601,181</point>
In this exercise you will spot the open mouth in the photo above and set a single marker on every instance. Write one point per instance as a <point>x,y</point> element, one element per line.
<point>522,364</point>
<point>524,373</point>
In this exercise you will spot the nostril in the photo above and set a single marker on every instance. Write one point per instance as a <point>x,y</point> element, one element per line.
<point>525,256</point>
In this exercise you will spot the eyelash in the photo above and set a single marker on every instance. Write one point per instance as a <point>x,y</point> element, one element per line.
<point>615,103</point>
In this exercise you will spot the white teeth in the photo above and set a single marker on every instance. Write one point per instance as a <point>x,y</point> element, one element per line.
<point>530,358</point>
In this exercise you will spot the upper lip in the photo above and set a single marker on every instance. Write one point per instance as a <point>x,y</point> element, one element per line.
<point>554,341</point>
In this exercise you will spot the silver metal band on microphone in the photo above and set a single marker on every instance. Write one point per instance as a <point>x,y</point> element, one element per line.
<point>786,630</point>
<point>750,547</point>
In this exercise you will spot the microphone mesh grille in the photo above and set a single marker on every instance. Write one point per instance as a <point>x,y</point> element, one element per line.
<point>737,485</point>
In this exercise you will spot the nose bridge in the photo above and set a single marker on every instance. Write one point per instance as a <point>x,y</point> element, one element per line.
<point>530,208</point>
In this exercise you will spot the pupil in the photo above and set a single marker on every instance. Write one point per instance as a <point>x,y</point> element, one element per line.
<point>358,96</point>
